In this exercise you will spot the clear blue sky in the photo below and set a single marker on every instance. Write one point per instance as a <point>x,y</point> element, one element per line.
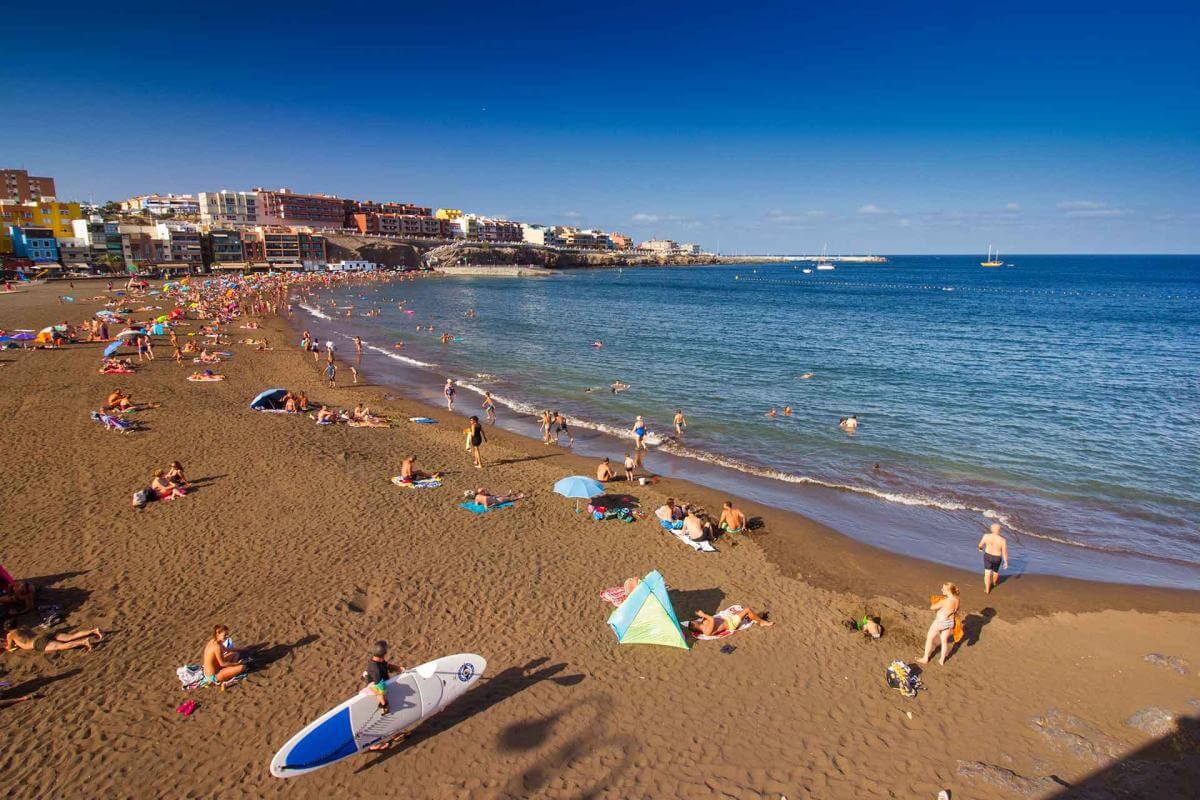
<point>755,127</point>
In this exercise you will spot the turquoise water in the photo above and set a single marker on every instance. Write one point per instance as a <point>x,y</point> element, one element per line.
<point>1059,395</point>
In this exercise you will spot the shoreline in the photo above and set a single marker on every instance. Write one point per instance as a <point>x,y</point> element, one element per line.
<point>923,530</point>
<point>794,530</point>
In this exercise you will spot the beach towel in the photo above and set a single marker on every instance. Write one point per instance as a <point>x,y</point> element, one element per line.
<point>424,483</point>
<point>900,677</point>
<point>423,420</point>
<point>190,675</point>
<point>699,547</point>
<point>112,423</point>
<point>614,595</point>
<point>205,378</point>
<point>476,508</point>
<point>746,623</point>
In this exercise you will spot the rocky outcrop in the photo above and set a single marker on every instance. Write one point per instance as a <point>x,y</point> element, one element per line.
<point>416,253</point>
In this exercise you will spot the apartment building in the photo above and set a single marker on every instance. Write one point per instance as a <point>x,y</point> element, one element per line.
<point>223,246</point>
<point>584,239</point>
<point>448,213</point>
<point>102,238</point>
<point>278,207</point>
<point>74,252</point>
<point>540,235</point>
<point>659,246</point>
<point>620,241</point>
<point>485,229</point>
<point>44,213</point>
<point>228,208</point>
<point>426,227</point>
<point>162,205</point>
<point>19,186</point>
<point>180,243</point>
<point>36,244</point>
<point>283,245</point>
<point>371,207</point>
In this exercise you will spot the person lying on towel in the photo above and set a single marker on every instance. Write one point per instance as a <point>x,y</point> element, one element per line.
<point>486,499</point>
<point>728,620</point>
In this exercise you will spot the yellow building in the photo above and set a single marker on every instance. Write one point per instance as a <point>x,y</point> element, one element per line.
<point>448,213</point>
<point>44,214</point>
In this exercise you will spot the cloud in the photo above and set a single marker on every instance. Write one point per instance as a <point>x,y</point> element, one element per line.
<point>1012,207</point>
<point>571,215</point>
<point>1090,209</point>
<point>870,209</point>
<point>645,218</point>
<point>790,218</point>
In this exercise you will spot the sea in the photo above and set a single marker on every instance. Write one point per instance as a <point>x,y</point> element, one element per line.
<point>1056,395</point>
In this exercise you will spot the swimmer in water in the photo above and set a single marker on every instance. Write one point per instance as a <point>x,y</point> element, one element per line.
<point>848,424</point>
<point>770,413</point>
<point>597,344</point>
<point>680,422</point>
<point>787,411</point>
<point>806,376</point>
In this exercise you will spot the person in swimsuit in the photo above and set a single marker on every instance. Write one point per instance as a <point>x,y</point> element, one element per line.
<point>732,519</point>
<point>708,625</point>
<point>946,606</point>
<point>630,464</point>
<point>221,661</point>
<point>489,406</point>
<point>697,529</point>
<point>560,423</point>
<point>448,392</point>
<point>175,475</point>
<point>163,488</point>
<point>475,438</point>
<point>409,473</point>
<point>486,499</point>
<point>604,472</point>
<point>680,422</point>
<point>547,422</point>
<point>639,434</point>
<point>16,593</point>
<point>995,556</point>
<point>17,637</point>
<point>377,674</point>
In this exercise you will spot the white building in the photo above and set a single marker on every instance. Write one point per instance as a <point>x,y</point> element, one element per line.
<point>353,266</point>
<point>224,207</point>
<point>162,205</point>
<point>540,235</point>
<point>660,246</point>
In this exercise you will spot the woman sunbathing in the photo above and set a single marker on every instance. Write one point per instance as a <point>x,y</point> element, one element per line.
<point>325,416</point>
<point>486,499</point>
<point>205,375</point>
<point>208,358</point>
<point>728,620</point>
<point>20,638</point>
<point>118,401</point>
<point>163,488</point>
<point>175,475</point>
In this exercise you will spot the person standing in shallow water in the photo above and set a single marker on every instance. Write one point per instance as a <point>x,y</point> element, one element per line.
<point>448,392</point>
<point>995,556</point>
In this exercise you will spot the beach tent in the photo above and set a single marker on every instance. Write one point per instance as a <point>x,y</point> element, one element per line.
<point>647,616</point>
<point>270,400</point>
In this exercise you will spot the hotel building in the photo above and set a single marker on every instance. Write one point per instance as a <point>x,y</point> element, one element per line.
<point>163,205</point>
<point>285,207</point>
<point>19,186</point>
<point>228,208</point>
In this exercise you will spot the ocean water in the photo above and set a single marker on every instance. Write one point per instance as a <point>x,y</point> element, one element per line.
<point>1058,395</point>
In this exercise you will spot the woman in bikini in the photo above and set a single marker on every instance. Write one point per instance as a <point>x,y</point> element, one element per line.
<point>708,625</point>
<point>946,606</point>
<point>175,475</point>
<point>163,488</point>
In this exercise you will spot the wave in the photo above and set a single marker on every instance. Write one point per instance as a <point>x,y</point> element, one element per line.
<point>316,312</point>
<point>392,354</point>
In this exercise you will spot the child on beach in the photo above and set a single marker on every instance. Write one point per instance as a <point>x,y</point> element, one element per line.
<point>378,672</point>
<point>448,392</point>
<point>489,405</point>
<point>629,465</point>
<point>331,374</point>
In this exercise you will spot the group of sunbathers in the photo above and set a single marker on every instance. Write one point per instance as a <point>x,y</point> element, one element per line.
<point>695,521</point>
<point>118,402</point>
<point>360,417</point>
<point>169,483</point>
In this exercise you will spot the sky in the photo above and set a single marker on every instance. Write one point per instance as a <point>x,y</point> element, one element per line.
<point>900,127</point>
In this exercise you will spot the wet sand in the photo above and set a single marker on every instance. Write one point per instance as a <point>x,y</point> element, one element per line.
<point>297,540</point>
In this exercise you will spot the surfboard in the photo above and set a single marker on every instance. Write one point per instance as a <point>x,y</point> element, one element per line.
<point>351,727</point>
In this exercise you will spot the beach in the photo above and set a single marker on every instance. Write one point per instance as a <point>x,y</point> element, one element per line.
<point>295,537</point>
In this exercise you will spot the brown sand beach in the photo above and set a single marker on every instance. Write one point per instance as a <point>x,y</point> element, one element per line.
<point>294,536</point>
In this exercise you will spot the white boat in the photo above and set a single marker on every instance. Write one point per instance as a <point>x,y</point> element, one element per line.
<point>824,262</point>
<point>807,271</point>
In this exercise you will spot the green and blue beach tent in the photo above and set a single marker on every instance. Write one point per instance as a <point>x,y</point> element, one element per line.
<point>647,616</point>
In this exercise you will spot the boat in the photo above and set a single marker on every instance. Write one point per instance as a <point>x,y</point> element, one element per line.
<point>807,271</point>
<point>824,263</point>
<point>992,260</point>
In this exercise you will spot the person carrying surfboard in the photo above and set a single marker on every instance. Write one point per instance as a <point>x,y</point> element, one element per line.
<point>377,673</point>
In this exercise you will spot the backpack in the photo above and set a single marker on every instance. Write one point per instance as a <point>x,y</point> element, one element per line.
<point>901,678</point>
<point>141,497</point>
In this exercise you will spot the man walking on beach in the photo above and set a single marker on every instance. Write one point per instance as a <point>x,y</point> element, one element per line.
<point>995,555</point>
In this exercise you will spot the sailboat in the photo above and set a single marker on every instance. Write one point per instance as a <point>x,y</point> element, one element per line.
<point>824,262</point>
<point>992,261</point>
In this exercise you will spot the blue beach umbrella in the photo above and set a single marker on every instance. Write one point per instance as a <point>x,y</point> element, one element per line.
<point>578,486</point>
<point>113,347</point>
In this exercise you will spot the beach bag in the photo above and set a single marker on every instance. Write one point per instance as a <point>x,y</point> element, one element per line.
<point>901,678</point>
<point>190,675</point>
<point>141,497</point>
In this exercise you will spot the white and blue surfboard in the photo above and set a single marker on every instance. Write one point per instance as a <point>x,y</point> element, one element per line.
<point>413,696</point>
